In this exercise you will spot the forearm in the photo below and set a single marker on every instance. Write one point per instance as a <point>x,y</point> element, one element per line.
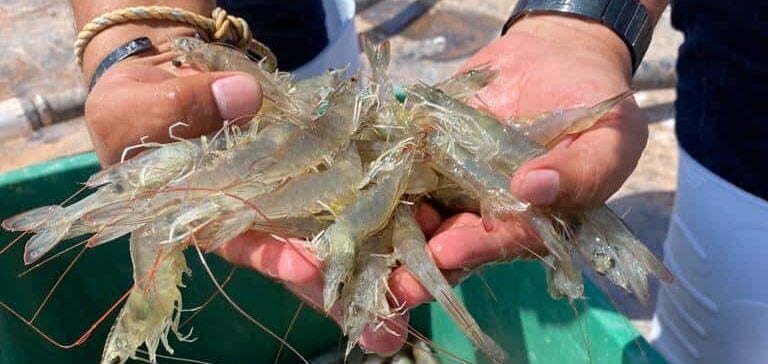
<point>587,35</point>
<point>107,40</point>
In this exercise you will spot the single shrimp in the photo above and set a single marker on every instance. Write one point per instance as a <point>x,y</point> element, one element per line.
<point>410,244</point>
<point>364,298</point>
<point>153,307</point>
<point>276,86</point>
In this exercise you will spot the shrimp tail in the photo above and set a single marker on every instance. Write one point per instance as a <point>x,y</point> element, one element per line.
<point>338,265</point>
<point>32,219</point>
<point>44,241</point>
<point>634,260</point>
<point>563,278</point>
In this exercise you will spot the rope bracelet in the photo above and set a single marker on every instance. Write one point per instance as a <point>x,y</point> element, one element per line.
<point>221,27</point>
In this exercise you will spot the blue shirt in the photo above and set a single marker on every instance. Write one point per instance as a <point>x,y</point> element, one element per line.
<point>722,93</point>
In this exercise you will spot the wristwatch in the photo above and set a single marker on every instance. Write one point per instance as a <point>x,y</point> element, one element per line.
<point>627,18</point>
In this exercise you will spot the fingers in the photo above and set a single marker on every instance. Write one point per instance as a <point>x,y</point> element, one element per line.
<point>584,171</point>
<point>282,261</point>
<point>460,244</point>
<point>428,218</point>
<point>301,273</point>
<point>463,242</point>
<point>410,293</point>
<point>384,340</point>
<point>140,100</point>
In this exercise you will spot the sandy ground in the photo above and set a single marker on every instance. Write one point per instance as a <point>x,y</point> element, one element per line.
<point>429,48</point>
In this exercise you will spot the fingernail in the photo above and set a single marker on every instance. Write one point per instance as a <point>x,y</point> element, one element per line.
<point>236,96</point>
<point>540,187</point>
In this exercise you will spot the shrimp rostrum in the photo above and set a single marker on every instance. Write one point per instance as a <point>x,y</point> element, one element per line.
<point>337,162</point>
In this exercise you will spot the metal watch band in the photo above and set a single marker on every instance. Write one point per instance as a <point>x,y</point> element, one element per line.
<point>126,50</point>
<point>627,18</point>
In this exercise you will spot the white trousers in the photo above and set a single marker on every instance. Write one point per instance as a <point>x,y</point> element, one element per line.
<point>717,248</point>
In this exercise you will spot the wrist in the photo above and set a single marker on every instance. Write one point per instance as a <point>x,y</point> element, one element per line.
<point>582,36</point>
<point>159,32</point>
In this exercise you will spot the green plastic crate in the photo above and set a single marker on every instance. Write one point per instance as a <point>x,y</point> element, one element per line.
<point>530,326</point>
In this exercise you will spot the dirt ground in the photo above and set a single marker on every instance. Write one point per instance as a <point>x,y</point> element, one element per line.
<point>430,40</point>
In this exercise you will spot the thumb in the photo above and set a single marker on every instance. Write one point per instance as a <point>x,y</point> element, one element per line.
<point>584,171</point>
<point>145,101</point>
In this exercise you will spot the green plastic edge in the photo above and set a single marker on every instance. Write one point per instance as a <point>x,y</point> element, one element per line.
<point>47,168</point>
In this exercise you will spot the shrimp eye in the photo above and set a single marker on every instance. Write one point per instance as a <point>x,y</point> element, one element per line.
<point>176,62</point>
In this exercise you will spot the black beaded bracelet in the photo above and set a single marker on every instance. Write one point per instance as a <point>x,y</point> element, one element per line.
<point>126,50</point>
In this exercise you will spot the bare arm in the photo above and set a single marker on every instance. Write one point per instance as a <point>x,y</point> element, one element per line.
<point>157,30</point>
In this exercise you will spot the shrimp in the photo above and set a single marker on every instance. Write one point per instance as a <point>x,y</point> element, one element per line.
<point>632,260</point>
<point>337,246</point>
<point>280,151</point>
<point>365,297</point>
<point>549,127</point>
<point>410,244</point>
<point>379,56</point>
<point>492,188</point>
<point>497,203</point>
<point>153,308</point>
<point>329,160</point>
<point>276,87</point>
<point>120,182</point>
<point>301,196</point>
<point>422,179</point>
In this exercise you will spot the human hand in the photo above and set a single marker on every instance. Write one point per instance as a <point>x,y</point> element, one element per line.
<point>545,62</point>
<point>143,97</point>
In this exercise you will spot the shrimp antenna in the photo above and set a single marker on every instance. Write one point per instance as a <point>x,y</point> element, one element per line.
<point>57,284</point>
<point>237,307</point>
<point>288,330</point>
<point>210,298</point>
<point>51,258</point>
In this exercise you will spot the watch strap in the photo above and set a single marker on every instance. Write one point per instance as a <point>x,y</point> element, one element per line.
<point>627,18</point>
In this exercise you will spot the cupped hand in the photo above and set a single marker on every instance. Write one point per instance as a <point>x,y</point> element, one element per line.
<point>544,63</point>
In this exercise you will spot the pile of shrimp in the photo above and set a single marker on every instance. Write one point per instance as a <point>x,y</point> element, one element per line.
<point>342,163</point>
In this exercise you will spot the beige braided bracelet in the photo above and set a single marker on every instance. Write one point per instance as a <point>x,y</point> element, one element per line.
<point>221,27</point>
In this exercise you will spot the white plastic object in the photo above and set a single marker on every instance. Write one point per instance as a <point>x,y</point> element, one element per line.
<point>13,119</point>
<point>717,248</point>
<point>342,48</point>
